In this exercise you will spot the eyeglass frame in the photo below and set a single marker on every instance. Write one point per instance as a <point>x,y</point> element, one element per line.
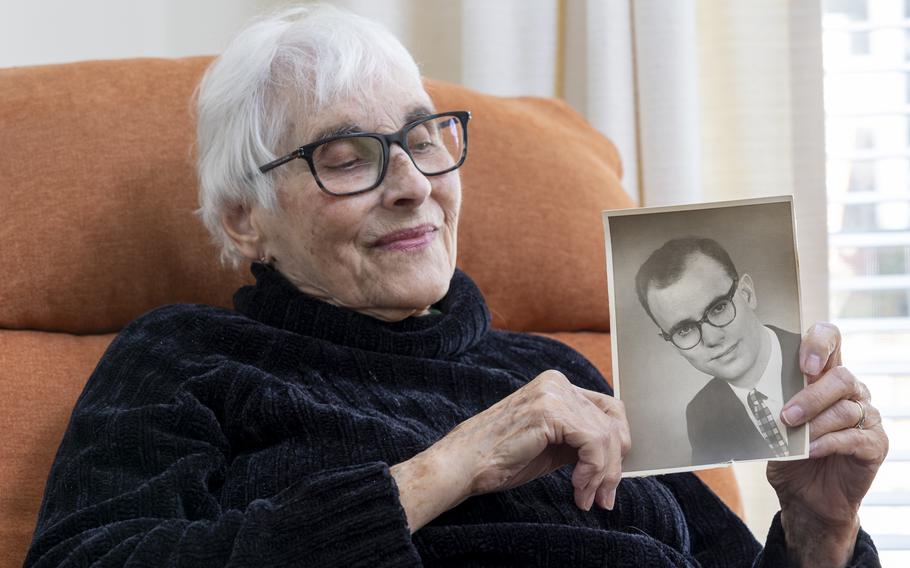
<point>728,297</point>
<point>305,152</point>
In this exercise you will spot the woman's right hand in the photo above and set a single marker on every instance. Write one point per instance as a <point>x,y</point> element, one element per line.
<point>543,426</point>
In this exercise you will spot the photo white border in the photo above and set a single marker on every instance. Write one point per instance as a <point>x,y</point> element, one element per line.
<point>606,215</point>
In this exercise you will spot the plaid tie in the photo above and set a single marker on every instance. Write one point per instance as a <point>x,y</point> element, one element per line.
<point>766,423</point>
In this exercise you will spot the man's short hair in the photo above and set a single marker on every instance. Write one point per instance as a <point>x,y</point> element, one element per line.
<point>667,264</point>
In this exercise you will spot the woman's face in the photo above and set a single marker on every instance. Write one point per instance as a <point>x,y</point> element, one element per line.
<point>389,252</point>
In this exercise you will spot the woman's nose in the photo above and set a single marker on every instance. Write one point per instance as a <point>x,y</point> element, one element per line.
<point>404,185</point>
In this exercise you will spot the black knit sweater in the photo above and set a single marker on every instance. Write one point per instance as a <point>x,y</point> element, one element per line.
<point>264,436</point>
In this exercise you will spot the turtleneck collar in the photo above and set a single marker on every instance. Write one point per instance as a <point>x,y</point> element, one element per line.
<point>463,321</point>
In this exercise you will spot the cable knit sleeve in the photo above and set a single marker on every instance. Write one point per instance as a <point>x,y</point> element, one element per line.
<point>138,478</point>
<point>775,551</point>
<point>719,538</point>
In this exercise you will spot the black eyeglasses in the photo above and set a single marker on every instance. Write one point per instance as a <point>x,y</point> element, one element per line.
<point>354,163</point>
<point>687,334</point>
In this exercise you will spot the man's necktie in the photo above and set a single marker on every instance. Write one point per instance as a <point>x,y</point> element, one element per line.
<point>766,423</point>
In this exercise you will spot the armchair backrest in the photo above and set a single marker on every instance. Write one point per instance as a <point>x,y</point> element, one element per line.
<point>100,191</point>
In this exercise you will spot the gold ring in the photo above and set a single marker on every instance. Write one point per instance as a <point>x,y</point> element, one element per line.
<point>862,415</point>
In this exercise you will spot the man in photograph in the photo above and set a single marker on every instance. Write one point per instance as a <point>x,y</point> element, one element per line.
<point>705,310</point>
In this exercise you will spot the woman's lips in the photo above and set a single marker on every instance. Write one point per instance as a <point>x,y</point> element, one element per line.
<point>407,239</point>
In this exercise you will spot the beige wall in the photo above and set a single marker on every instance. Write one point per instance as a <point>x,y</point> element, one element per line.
<point>57,31</point>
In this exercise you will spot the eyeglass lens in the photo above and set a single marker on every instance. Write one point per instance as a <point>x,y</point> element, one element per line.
<point>718,315</point>
<point>348,164</point>
<point>354,163</point>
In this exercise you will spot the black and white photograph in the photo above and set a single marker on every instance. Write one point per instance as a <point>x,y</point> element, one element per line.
<point>705,320</point>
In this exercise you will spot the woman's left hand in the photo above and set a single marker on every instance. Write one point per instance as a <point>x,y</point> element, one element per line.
<point>820,496</point>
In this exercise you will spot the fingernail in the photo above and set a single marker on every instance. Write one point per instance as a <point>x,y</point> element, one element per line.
<point>793,415</point>
<point>813,447</point>
<point>590,501</point>
<point>610,501</point>
<point>813,364</point>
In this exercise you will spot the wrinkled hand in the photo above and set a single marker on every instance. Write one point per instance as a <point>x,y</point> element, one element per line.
<point>820,496</point>
<point>543,426</point>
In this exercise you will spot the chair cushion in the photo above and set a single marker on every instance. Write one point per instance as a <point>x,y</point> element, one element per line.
<point>100,192</point>
<point>41,376</point>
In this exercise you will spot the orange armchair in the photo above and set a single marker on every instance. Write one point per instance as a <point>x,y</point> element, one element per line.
<point>98,227</point>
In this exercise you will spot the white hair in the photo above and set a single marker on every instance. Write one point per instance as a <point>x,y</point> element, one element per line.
<point>300,59</point>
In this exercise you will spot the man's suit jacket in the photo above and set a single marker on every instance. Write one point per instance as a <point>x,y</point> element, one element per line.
<point>720,428</point>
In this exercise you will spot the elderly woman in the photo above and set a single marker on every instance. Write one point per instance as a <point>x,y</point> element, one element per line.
<point>356,408</point>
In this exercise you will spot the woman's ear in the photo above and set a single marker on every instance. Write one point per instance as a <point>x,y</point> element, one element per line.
<point>747,288</point>
<point>239,226</point>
